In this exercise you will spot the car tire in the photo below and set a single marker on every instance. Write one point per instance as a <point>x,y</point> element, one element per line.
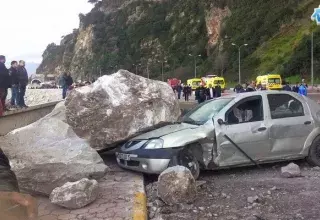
<point>314,153</point>
<point>187,159</point>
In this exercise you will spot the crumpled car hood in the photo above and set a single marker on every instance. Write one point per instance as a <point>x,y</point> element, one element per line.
<point>169,129</point>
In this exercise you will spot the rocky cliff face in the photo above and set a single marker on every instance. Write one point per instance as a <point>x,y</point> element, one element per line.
<point>139,35</point>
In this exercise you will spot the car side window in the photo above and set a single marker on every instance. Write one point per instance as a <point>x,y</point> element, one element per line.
<point>284,106</point>
<point>246,110</point>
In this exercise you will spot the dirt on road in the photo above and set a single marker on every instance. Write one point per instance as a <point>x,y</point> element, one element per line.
<point>247,193</point>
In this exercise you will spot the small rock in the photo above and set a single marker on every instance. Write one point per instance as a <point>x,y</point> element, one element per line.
<point>185,207</point>
<point>153,208</point>
<point>255,204</point>
<point>252,189</point>
<point>118,178</point>
<point>232,218</point>
<point>224,195</point>
<point>215,215</point>
<point>195,211</point>
<point>159,203</point>
<point>200,183</point>
<point>271,209</point>
<point>202,208</point>
<point>249,207</point>
<point>274,188</point>
<point>209,214</point>
<point>290,171</point>
<point>149,204</point>
<point>299,216</point>
<point>252,199</point>
<point>316,168</point>
<point>269,192</point>
<point>228,197</point>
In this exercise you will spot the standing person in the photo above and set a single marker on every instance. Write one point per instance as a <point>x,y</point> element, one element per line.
<point>296,88</point>
<point>287,87</point>
<point>23,82</point>
<point>202,94</point>
<point>238,88</point>
<point>13,71</point>
<point>218,90</point>
<point>190,90</point>
<point>67,81</point>
<point>4,84</point>
<point>303,89</point>
<point>186,93</point>
<point>251,87</point>
<point>179,90</point>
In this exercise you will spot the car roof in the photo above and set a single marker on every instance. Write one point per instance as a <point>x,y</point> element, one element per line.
<point>248,94</point>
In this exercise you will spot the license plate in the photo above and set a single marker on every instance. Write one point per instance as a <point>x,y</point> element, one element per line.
<point>124,156</point>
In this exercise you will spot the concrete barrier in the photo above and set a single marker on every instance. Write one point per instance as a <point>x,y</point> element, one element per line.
<point>19,118</point>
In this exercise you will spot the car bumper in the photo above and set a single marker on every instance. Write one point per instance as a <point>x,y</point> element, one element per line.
<point>147,161</point>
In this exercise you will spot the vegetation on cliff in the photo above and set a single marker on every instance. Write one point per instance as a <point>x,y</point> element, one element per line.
<point>138,34</point>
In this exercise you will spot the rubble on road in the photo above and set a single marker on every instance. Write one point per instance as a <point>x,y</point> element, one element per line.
<point>176,185</point>
<point>119,106</point>
<point>75,195</point>
<point>290,171</point>
<point>272,197</point>
<point>47,154</point>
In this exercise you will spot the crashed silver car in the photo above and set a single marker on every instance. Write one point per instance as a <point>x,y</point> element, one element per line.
<point>234,130</point>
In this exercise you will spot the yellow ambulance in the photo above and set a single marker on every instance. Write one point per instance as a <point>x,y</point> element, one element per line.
<point>194,83</point>
<point>270,81</point>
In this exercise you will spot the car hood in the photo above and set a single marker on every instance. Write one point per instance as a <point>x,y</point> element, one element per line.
<point>163,131</point>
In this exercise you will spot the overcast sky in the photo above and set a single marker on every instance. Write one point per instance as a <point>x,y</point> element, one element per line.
<point>28,26</point>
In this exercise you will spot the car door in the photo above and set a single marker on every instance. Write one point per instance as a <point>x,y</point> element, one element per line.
<point>250,133</point>
<point>290,124</point>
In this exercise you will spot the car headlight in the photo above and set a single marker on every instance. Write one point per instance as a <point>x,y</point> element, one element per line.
<point>154,144</point>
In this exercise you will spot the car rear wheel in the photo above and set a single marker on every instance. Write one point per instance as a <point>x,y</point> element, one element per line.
<point>314,153</point>
<point>187,159</point>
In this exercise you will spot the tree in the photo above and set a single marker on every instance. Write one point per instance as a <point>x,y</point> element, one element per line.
<point>93,1</point>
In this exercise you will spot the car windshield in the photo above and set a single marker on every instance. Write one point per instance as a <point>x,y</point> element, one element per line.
<point>202,113</point>
<point>274,80</point>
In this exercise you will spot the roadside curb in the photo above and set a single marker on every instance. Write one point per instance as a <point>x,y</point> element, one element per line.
<point>140,200</point>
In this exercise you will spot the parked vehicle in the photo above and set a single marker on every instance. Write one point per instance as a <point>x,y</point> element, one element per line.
<point>230,131</point>
<point>270,81</point>
<point>195,83</point>
<point>217,80</point>
<point>174,82</point>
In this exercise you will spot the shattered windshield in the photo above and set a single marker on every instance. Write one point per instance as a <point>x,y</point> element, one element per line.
<point>204,112</point>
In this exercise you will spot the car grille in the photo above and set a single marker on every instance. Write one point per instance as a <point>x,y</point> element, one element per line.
<point>130,163</point>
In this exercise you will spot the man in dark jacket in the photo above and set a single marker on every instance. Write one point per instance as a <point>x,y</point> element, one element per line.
<point>13,204</point>
<point>23,82</point>
<point>67,81</point>
<point>296,87</point>
<point>13,71</point>
<point>186,93</point>
<point>4,83</point>
<point>287,87</point>
<point>179,90</point>
<point>218,90</point>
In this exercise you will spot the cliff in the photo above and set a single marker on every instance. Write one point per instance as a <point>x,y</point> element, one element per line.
<point>141,34</point>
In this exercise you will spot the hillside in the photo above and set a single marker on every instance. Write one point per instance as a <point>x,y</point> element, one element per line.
<point>122,34</point>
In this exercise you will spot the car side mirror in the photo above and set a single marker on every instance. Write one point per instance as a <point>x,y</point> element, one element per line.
<point>221,122</point>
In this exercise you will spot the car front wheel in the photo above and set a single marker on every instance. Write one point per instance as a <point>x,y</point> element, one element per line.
<point>314,153</point>
<point>187,159</point>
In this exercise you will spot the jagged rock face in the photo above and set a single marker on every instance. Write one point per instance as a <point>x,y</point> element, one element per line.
<point>214,20</point>
<point>118,107</point>
<point>47,154</point>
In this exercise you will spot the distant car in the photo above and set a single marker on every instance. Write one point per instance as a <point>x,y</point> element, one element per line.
<point>265,126</point>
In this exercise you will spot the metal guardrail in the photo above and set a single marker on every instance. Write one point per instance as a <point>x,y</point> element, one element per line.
<point>22,117</point>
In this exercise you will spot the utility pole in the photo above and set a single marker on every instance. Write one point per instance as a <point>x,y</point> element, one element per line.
<point>312,60</point>
<point>239,48</point>
<point>195,64</point>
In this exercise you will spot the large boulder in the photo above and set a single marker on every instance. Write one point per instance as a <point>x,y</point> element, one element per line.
<point>117,107</point>
<point>47,154</point>
<point>75,195</point>
<point>176,185</point>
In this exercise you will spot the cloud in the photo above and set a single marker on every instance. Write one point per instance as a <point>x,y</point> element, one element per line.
<point>27,27</point>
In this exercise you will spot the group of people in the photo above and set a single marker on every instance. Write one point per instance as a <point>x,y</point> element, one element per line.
<point>301,88</point>
<point>202,93</point>
<point>15,78</point>
<point>186,91</point>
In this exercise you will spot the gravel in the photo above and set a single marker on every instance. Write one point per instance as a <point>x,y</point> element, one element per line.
<point>254,194</point>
